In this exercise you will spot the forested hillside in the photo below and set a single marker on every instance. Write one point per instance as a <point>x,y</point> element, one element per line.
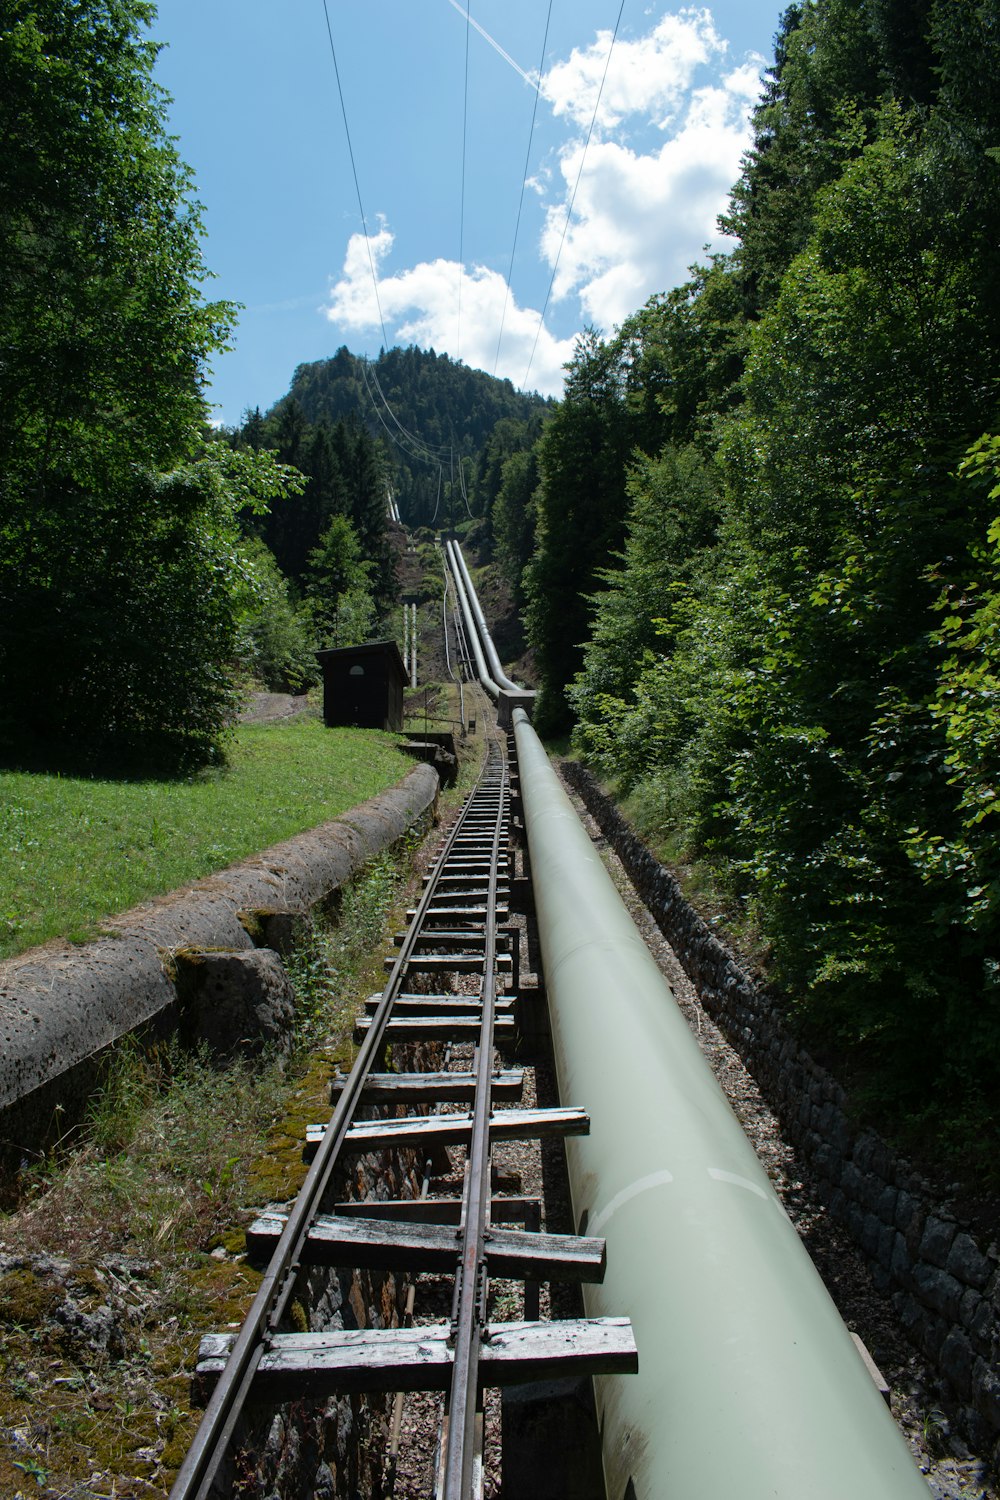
<point>320,559</point>
<point>760,547</point>
<point>122,586</point>
<point>432,414</point>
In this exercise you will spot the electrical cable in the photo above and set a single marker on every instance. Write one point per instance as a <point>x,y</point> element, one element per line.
<point>428,455</point>
<point>357,185</point>
<point>437,449</point>
<point>420,449</point>
<point>410,453</point>
<point>524,183</point>
<point>572,201</point>
<point>461,484</point>
<point>461,216</point>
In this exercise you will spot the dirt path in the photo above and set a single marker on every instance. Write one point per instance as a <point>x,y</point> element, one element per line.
<point>266,708</point>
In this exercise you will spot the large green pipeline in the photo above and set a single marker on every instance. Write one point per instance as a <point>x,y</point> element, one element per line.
<point>749,1385</point>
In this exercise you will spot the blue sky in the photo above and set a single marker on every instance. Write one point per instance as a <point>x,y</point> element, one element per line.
<point>258,118</point>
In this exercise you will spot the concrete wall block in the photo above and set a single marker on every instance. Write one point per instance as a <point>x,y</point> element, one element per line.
<point>931,1335</point>
<point>887,1204</point>
<point>841,1134</point>
<point>987,1382</point>
<point>957,1359</point>
<point>902,1266</point>
<point>862,1153</point>
<point>886,1244</point>
<point>985,1325</point>
<point>872,1188</point>
<point>908,1212</point>
<point>871,1231</point>
<point>236,1004</point>
<point>851,1181</point>
<point>911,1314</point>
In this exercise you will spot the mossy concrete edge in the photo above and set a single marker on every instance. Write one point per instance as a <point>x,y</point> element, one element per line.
<point>61,1006</point>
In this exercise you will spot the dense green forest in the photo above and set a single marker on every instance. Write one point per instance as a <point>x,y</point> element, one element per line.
<point>433,415</point>
<point>150,567</point>
<point>122,582</point>
<point>762,566</point>
<point>757,544</point>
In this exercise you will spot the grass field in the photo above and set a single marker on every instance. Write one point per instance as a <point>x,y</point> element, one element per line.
<point>76,850</point>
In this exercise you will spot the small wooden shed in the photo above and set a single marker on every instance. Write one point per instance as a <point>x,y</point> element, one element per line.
<point>363,686</point>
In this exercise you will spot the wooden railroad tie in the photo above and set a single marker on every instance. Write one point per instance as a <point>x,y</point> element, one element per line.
<point>420,1359</point>
<point>424,1131</point>
<point>372,1244</point>
<point>431,1088</point>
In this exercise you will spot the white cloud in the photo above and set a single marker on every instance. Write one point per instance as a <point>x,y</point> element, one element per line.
<point>641,218</point>
<point>420,306</point>
<point>671,131</point>
<point>648,77</point>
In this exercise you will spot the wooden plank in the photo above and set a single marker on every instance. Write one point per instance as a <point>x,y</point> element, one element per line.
<point>514,1210</point>
<point>438,1029</point>
<point>450,963</point>
<point>456,913</point>
<point>419,1359</point>
<point>424,1131</point>
<point>465,892</point>
<point>431,1088</point>
<point>393,1245</point>
<point>439,1005</point>
<point>465,940</point>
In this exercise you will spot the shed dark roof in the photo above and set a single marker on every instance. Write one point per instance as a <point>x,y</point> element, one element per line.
<point>370,648</point>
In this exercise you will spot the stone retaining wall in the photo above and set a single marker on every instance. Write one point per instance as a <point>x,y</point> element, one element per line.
<point>946,1286</point>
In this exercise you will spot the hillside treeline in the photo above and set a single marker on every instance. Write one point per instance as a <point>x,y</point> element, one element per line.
<point>760,549</point>
<point>321,557</point>
<point>121,586</point>
<point>432,415</point>
<point>150,568</point>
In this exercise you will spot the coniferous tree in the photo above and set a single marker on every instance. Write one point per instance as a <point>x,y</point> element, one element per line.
<point>117,531</point>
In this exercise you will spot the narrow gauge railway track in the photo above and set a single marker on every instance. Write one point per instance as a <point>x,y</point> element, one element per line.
<point>453,981</point>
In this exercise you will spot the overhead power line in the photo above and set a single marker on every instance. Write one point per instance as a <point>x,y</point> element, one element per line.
<point>354,169</point>
<point>461,216</point>
<point>411,445</point>
<point>524,183</point>
<point>433,450</point>
<point>572,201</point>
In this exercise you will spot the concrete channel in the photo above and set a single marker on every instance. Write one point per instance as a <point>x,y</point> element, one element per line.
<point>63,1006</point>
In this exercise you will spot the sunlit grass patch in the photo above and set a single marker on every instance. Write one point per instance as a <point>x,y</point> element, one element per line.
<point>75,850</point>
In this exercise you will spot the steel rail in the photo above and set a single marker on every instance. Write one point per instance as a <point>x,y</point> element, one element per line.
<point>203,1459</point>
<point>471,1286</point>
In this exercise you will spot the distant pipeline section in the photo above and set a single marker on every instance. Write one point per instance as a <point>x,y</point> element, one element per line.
<point>505,693</point>
<point>749,1383</point>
